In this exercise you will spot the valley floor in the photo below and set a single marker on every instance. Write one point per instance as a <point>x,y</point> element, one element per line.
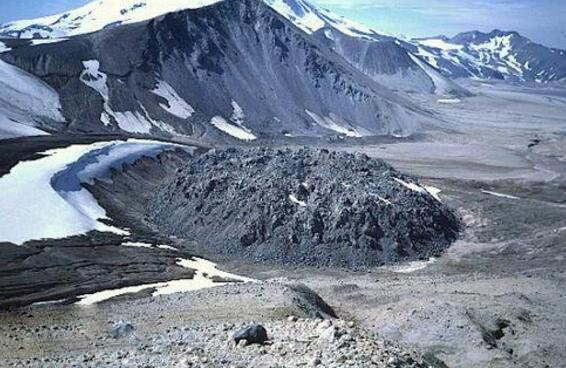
<point>496,298</point>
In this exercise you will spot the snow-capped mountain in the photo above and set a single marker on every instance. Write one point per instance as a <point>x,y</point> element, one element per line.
<point>236,69</point>
<point>101,14</point>
<point>382,56</point>
<point>494,55</point>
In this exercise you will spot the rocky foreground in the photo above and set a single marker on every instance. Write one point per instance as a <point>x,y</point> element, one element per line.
<point>302,206</point>
<point>199,333</point>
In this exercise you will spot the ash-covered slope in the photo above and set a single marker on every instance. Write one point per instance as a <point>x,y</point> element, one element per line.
<point>236,69</point>
<point>310,207</point>
<point>495,55</point>
<point>27,104</point>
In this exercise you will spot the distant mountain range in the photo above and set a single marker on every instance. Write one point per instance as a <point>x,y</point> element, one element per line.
<point>494,55</point>
<point>238,70</point>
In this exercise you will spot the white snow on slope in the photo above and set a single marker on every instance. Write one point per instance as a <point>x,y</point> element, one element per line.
<point>98,14</point>
<point>175,104</point>
<point>432,191</point>
<point>129,121</point>
<point>25,99</point>
<point>449,100</point>
<point>45,41</point>
<point>501,195</point>
<point>44,198</point>
<point>203,278</point>
<point>11,129</point>
<point>133,122</point>
<point>4,48</point>
<point>412,186</point>
<point>440,44</point>
<point>299,13</point>
<point>96,80</point>
<point>311,18</point>
<point>297,201</point>
<point>333,124</point>
<point>496,53</point>
<point>238,115</point>
<point>411,267</point>
<point>235,131</point>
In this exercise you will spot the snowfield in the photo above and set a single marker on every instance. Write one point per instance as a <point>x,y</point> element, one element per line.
<point>45,199</point>
<point>99,14</point>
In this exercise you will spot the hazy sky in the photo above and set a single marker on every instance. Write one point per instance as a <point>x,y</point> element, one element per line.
<point>543,21</point>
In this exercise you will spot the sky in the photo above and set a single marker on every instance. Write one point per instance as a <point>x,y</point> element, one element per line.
<point>543,21</point>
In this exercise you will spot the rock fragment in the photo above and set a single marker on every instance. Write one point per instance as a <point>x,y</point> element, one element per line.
<point>253,334</point>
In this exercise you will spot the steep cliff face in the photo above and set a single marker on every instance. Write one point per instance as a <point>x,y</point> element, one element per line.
<point>233,70</point>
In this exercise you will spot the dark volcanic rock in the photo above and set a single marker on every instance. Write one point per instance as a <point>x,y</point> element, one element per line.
<point>310,207</point>
<point>311,303</point>
<point>254,334</point>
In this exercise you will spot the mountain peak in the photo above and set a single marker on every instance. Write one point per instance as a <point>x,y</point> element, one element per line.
<point>100,14</point>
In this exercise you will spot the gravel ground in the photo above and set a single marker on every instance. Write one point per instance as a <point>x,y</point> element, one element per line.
<point>199,334</point>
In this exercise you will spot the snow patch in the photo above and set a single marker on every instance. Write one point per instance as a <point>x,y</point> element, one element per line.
<point>175,104</point>
<point>411,186</point>
<point>235,131</point>
<point>238,115</point>
<point>449,100</point>
<point>132,121</point>
<point>129,121</point>
<point>4,48</point>
<point>501,195</point>
<point>137,245</point>
<point>383,200</point>
<point>411,267</point>
<point>295,200</point>
<point>148,245</point>
<point>44,41</point>
<point>335,125</point>
<point>205,271</point>
<point>440,44</point>
<point>429,190</point>
<point>433,191</point>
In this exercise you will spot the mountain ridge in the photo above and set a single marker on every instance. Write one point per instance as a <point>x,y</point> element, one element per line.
<point>501,55</point>
<point>202,72</point>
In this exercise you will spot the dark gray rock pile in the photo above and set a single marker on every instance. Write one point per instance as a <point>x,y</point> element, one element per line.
<point>304,206</point>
